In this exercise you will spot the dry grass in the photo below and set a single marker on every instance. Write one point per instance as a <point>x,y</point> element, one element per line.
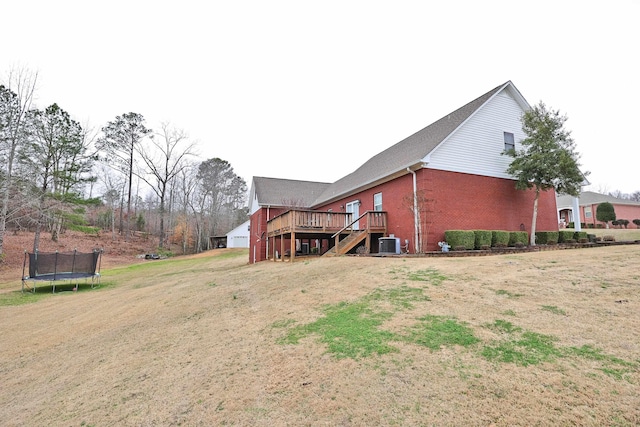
<point>199,341</point>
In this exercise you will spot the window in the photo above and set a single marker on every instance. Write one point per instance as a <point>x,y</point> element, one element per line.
<point>377,202</point>
<point>509,142</point>
<point>587,212</point>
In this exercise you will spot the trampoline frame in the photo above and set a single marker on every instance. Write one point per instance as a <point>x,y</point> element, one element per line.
<point>63,268</point>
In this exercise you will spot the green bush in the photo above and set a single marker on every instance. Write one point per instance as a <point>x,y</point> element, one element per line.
<point>605,212</point>
<point>499,239</point>
<point>565,236</point>
<point>459,239</point>
<point>518,238</point>
<point>581,236</point>
<point>84,229</point>
<point>482,239</point>
<point>546,237</point>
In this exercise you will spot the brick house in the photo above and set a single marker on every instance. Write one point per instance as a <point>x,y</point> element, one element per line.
<point>449,175</point>
<point>588,202</point>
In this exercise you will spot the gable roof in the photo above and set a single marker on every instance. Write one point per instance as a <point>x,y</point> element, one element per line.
<point>591,198</point>
<point>241,229</point>
<point>410,152</point>
<point>286,192</point>
<point>384,166</point>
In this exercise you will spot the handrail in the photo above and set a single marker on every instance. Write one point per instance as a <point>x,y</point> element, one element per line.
<point>350,224</point>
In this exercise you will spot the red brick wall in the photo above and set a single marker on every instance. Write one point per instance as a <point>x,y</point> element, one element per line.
<point>258,233</point>
<point>450,201</point>
<point>456,201</point>
<point>466,202</point>
<point>627,212</point>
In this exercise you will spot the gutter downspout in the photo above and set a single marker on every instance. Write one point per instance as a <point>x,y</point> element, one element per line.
<point>268,213</point>
<point>416,215</point>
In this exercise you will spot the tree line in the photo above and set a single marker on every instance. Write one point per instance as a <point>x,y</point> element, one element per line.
<point>56,175</point>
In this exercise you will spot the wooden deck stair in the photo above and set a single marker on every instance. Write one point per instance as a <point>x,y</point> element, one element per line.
<point>347,243</point>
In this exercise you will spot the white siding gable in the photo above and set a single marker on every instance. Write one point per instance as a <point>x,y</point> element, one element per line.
<point>254,204</point>
<point>476,146</point>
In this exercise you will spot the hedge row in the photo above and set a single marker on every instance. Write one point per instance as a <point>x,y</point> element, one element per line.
<point>562,236</point>
<point>484,239</point>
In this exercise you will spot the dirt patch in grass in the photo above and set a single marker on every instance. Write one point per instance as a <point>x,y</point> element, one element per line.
<point>207,340</point>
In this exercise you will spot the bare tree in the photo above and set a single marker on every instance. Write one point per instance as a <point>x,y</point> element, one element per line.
<point>422,207</point>
<point>165,159</point>
<point>112,194</point>
<point>15,101</point>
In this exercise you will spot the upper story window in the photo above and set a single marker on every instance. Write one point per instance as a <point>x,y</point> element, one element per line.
<point>509,142</point>
<point>377,202</point>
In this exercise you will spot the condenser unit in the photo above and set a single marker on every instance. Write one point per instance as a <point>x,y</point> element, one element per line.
<point>389,245</point>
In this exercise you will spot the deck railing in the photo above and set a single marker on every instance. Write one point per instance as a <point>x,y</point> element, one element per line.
<point>301,221</point>
<point>307,221</point>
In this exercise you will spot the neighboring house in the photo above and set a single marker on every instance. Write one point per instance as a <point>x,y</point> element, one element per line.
<point>449,175</point>
<point>239,236</point>
<point>588,202</point>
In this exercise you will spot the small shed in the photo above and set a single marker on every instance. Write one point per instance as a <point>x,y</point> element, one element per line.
<point>239,236</point>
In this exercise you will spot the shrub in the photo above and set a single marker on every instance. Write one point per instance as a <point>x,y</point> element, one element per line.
<point>546,237</point>
<point>565,235</point>
<point>605,212</point>
<point>482,238</point>
<point>518,238</point>
<point>636,222</point>
<point>580,236</point>
<point>460,238</point>
<point>571,225</point>
<point>623,222</point>
<point>499,239</point>
<point>608,238</point>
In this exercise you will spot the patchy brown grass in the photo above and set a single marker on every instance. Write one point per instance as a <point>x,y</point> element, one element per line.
<point>202,341</point>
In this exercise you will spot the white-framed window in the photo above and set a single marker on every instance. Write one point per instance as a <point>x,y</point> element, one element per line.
<point>587,211</point>
<point>377,202</point>
<point>509,141</point>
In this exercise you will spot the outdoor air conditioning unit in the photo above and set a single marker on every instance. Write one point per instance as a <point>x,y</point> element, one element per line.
<point>389,245</point>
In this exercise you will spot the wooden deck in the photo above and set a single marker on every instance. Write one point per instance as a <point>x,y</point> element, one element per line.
<point>330,228</point>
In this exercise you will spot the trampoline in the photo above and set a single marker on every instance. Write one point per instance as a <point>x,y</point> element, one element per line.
<point>57,266</point>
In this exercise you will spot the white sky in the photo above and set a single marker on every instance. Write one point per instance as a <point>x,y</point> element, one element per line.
<point>310,90</point>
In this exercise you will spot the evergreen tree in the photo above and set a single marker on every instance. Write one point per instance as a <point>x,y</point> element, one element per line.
<point>605,212</point>
<point>547,159</point>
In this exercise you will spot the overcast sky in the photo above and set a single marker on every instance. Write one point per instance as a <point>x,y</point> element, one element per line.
<point>311,90</point>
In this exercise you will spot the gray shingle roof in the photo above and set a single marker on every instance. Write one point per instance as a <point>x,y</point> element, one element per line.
<point>591,198</point>
<point>287,192</point>
<point>382,167</point>
<point>406,153</point>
